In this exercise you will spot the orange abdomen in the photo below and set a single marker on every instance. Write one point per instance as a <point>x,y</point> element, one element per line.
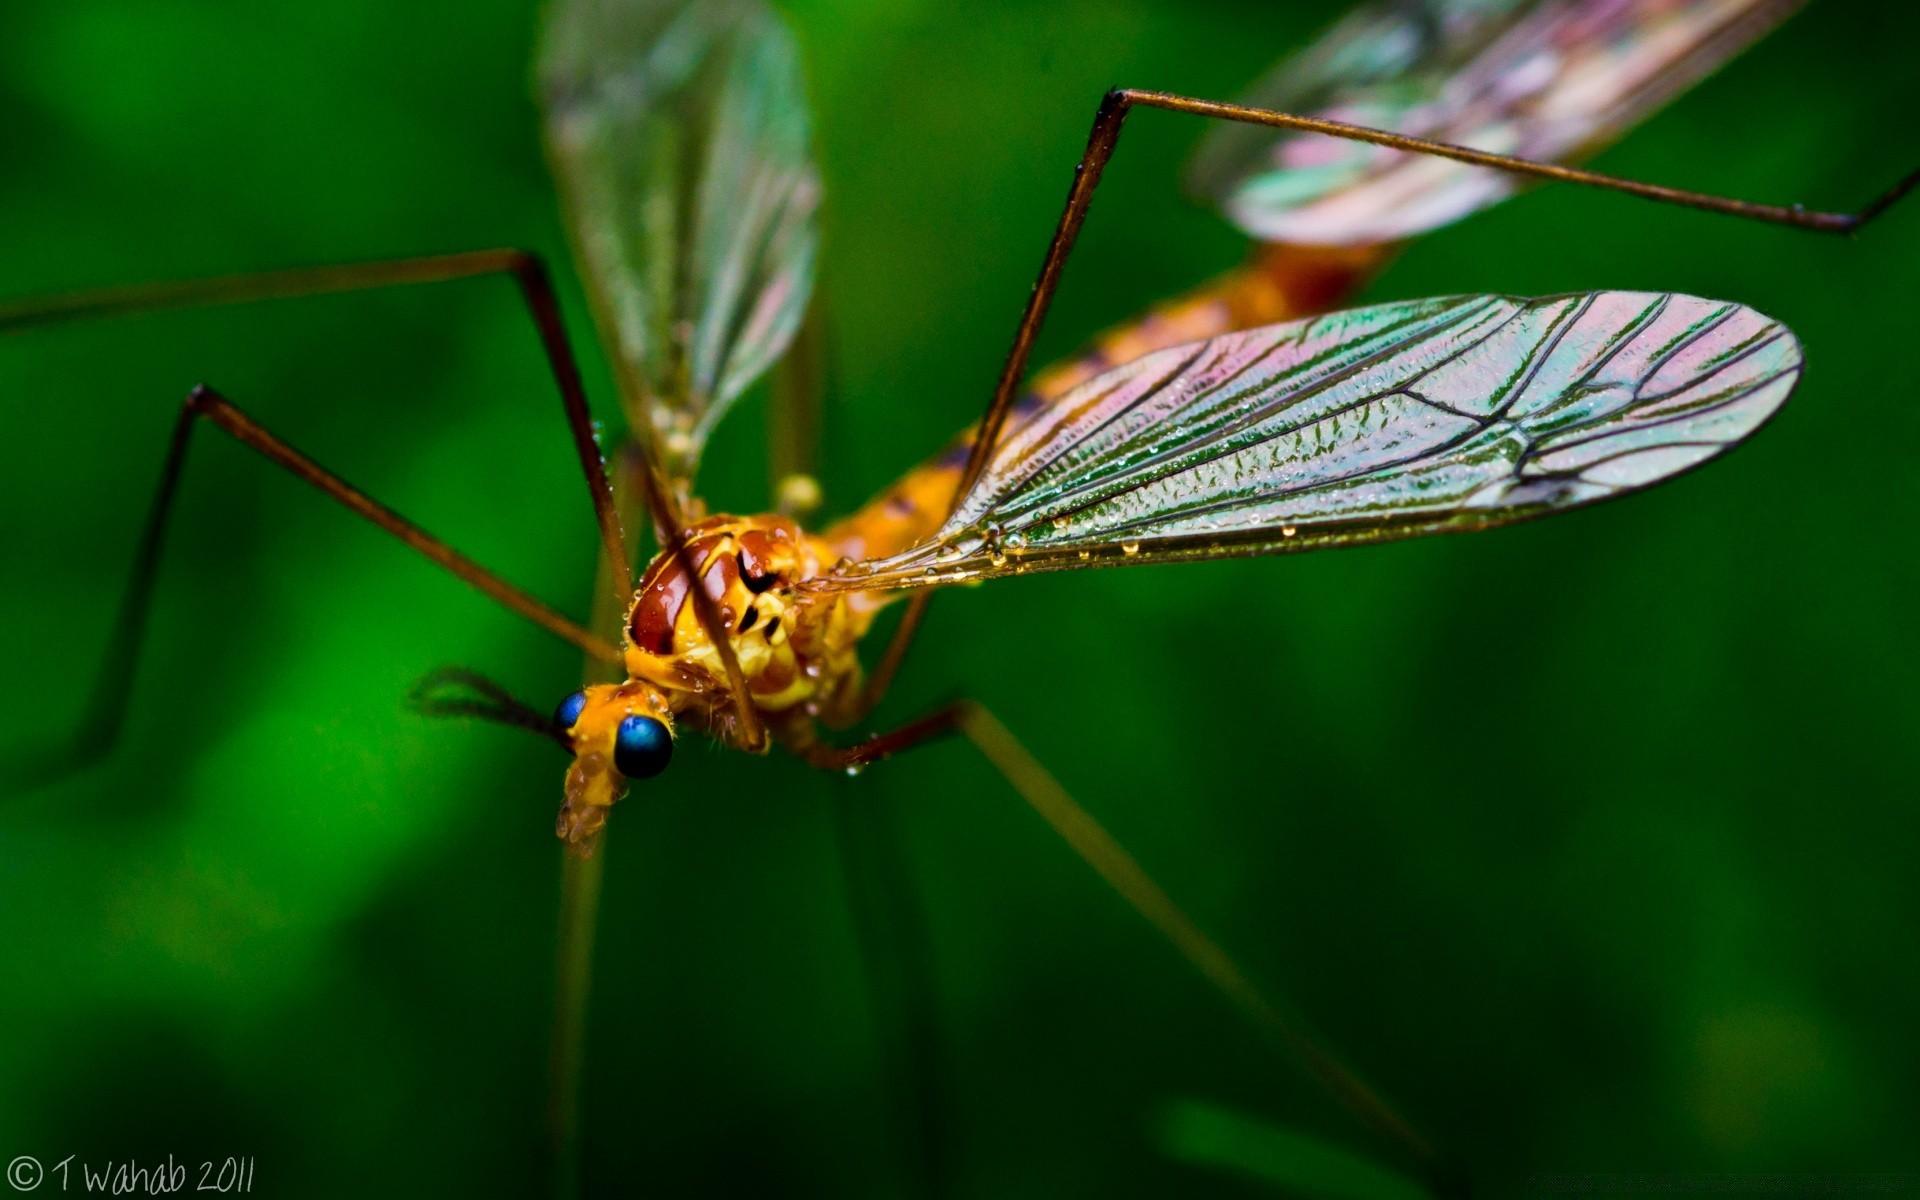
<point>1281,283</point>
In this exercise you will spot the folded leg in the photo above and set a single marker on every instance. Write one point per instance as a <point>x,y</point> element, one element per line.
<point>107,705</point>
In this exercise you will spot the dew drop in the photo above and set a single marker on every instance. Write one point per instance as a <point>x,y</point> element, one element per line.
<point>854,769</point>
<point>1288,530</point>
<point>1129,548</point>
<point>1016,542</point>
<point>1085,555</point>
<point>995,554</point>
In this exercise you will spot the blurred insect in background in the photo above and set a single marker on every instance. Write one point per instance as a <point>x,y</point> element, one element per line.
<point>1538,79</point>
<point>1231,422</point>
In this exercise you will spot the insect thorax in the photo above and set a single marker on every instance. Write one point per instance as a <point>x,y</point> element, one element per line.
<point>795,648</point>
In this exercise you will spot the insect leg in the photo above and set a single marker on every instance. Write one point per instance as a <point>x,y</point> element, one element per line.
<point>1111,861</point>
<point>1112,114</point>
<point>1104,136</point>
<point>528,271</point>
<point>881,677</point>
<point>106,707</point>
<point>670,524</point>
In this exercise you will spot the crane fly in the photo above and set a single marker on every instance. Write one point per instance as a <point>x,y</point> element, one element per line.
<point>1240,420</point>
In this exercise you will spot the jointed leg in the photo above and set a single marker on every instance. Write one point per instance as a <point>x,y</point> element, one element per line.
<point>528,272</point>
<point>881,677</point>
<point>107,706</point>
<point>642,486</point>
<point>1105,135</point>
<point>1124,874</point>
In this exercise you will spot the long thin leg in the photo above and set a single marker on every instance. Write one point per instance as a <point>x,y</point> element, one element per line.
<point>888,923</point>
<point>1105,135</point>
<point>107,705</point>
<point>580,880</point>
<point>881,678</point>
<point>529,273</point>
<point>1112,114</point>
<point>1090,840</point>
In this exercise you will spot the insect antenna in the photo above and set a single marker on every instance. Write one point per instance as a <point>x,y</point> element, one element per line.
<point>459,692</point>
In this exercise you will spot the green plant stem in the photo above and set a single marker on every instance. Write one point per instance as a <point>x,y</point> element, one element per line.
<point>890,930</point>
<point>580,880</point>
<point>573,982</point>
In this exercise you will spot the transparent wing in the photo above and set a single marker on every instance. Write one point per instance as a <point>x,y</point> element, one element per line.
<point>678,132</point>
<point>1403,419</point>
<point>1540,79</point>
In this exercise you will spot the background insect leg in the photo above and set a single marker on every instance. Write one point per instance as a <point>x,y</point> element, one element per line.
<point>1105,135</point>
<point>1111,861</point>
<point>890,930</point>
<point>107,704</point>
<point>882,902</point>
<point>527,270</point>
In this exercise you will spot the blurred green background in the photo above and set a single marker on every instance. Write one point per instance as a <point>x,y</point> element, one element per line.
<point>1589,841</point>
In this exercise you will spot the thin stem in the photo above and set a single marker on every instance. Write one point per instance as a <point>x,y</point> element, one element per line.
<point>890,929</point>
<point>580,880</point>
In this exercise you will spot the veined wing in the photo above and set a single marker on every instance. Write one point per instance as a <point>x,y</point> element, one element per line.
<point>1539,79</point>
<point>1405,419</point>
<point>678,132</point>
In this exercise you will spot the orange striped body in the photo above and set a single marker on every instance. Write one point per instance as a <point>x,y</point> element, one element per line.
<point>1282,282</point>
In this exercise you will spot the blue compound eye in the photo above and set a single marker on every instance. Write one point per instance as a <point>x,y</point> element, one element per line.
<point>569,710</point>
<point>642,748</point>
